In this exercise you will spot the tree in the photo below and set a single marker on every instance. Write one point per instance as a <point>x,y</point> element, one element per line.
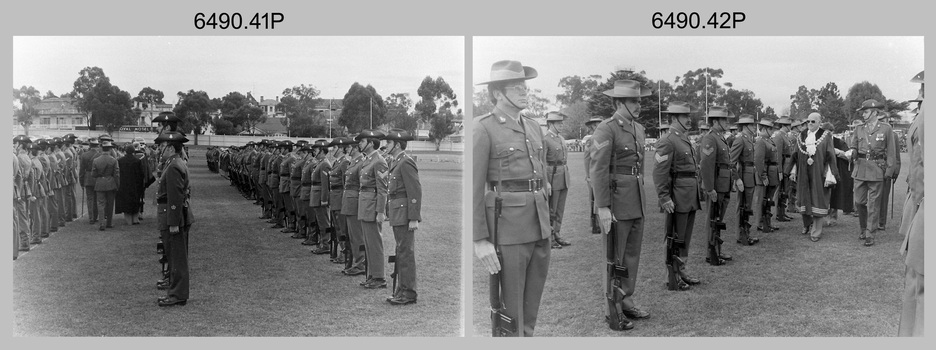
<point>230,105</point>
<point>223,126</point>
<point>398,106</point>
<point>804,102</point>
<point>830,105</point>
<point>481,103</point>
<point>363,109</point>
<point>28,99</point>
<point>298,104</point>
<point>194,109</point>
<point>893,108</point>
<point>441,126</point>
<point>435,106</point>
<point>857,94</point>
<point>83,91</point>
<point>573,127</point>
<point>698,87</point>
<point>576,88</point>
<point>49,94</point>
<point>149,97</point>
<point>741,102</point>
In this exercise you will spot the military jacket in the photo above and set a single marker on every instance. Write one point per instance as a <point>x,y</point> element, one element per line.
<point>875,152</point>
<point>319,191</point>
<point>556,168</point>
<point>716,172</point>
<point>405,191</point>
<point>617,167</point>
<point>24,175</point>
<point>284,172</point>
<point>741,159</point>
<point>765,162</point>
<point>173,189</point>
<point>912,246</point>
<point>273,180</point>
<point>39,187</point>
<point>676,174</point>
<point>373,195</point>
<point>295,177</point>
<point>336,182</point>
<point>106,173</point>
<point>352,186</point>
<point>306,178</point>
<point>506,149</point>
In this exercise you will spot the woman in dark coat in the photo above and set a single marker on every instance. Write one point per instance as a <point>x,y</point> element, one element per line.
<point>132,184</point>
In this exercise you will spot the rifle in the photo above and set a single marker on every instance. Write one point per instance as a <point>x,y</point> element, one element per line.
<point>673,262</point>
<point>502,325</point>
<point>333,243</point>
<point>716,225</point>
<point>616,275</point>
<point>346,251</point>
<point>392,260</point>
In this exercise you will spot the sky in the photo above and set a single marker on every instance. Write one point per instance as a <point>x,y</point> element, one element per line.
<point>772,67</point>
<point>264,66</point>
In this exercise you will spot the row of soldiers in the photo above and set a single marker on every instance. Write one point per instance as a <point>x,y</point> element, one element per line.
<point>518,201</point>
<point>335,195</point>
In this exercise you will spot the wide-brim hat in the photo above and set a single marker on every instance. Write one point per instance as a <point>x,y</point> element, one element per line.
<point>870,103</point>
<point>138,140</point>
<point>93,141</point>
<point>509,71</point>
<point>766,122</point>
<point>704,127</point>
<point>678,107</point>
<point>166,117</point>
<point>745,119</point>
<point>783,120</point>
<point>340,141</point>
<point>369,134</point>
<point>917,78</point>
<point>919,97</point>
<point>555,116</point>
<point>22,139</point>
<point>594,120</point>
<point>105,137</point>
<point>171,136</point>
<point>399,135</point>
<point>663,126</point>
<point>733,127</point>
<point>719,112</point>
<point>628,88</point>
<point>796,123</point>
<point>107,144</point>
<point>321,143</point>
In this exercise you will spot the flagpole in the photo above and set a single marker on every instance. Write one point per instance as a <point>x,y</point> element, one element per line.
<point>706,94</point>
<point>660,102</point>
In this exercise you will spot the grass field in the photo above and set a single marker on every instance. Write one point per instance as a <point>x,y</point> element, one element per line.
<point>785,286</point>
<point>246,279</point>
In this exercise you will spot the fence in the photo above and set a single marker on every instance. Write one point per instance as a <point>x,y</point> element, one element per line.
<point>222,140</point>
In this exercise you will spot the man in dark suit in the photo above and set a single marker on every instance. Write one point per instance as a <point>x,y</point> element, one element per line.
<point>174,217</point>
<point>404,207</point>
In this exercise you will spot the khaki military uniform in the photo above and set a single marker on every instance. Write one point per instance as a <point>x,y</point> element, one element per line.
<point>557,173</point>
<point>676,178</point>
<point>372,200</point>
<point>742,160</point>
<point>911,227</point>
<point>874,150</point>
<point>404,205</point>
<point>766,167</point>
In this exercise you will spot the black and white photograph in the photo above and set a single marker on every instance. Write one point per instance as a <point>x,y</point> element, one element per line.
<point>227,186</point>
<point>694,186</point>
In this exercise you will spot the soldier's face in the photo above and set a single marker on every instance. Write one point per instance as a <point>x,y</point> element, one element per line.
<point>517,93</point>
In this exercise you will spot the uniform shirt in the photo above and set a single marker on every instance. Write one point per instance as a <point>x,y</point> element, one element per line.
<point>295,176</point>
<point>173,187</point>
<point>741,158</point>
<point>405,191</point>
<point>336,182</point>
<point>352,186</point>
<point>765,162</point>
<point>784,149</point>
<point>879,149</point>
<point>373,195</point>
<point>273,180</point>
<point>306,178</point>
<point>556,168</point>
<point>284,171</point>
<point>715,170</point>
<point>509,149</point>
<point>24,175</point>
<point>106,173</point>
<point>618,161</point>
<point>319,191</point>
<point>675,174</point>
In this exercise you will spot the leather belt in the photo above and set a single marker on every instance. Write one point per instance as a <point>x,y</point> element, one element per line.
<point>723,165</point>
<point>787,156</point>
<point>556,163</point>
<point>397,195</point>
<point>335,187</point>
<point>307,184</point>
<point>316,183</point>
<point>368,189</point>
<point>295,177</point>
<point>354,188</point>
<point>869,156</point>
<point>679,174</point>
<point>286,174</point>
<point>773,163</point>
<point>531,185</point>
<point>161,200</point>
<point>626,170</point>
<point>747,163</point>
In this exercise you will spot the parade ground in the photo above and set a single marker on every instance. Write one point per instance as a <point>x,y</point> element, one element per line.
<point>784,286</point>
<point>246,279</point>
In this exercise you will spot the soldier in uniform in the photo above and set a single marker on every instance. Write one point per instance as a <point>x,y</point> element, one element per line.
<point>911,227</point>
<point>338,151</point>
<point>285,187</point>
<point>716,174</point>
<point>617,174</point>
<point>106,174</point>
<point>174,217</point>
<point>38,214</point>
<point>874,151</point>
<point>766,175</point>
<point>784,153</point>
<point>23,196</point>
<point>305,191</point>
<point>68,150</point>
<point>676,177</point>
<point>349,208</point>
<point>796,128</point>
<point>591,124</point>
<point>557,173</point>
<point>403,208</point>
<point>887,183</point>
<point>510,174</point>
<point>372,204</point>
<point>742,161</point>
<point>732,135</point>
<point>295,189</point>
<point>318,197</point>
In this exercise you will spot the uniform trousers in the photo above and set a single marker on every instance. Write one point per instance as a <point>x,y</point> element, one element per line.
<point>682,224</point>
<point>373,248</point>
<point>21,220</point>
<point>780,209</point>
<point>405,265</point>
<point>556,209</point>
<point>176,248</point>
<point>321,217</point>
<point>52,207</point>
<point>523,276</point>
<point>62,205</point>
<point>356,237</point>
<point>289,209</point>
<point>72,201</point>
<point>882,206</point>
<point>38,220</point>
<point>91,201</point>
<point>278,205</point>
<point>911,313</point>
<point>748,199</point>
<point>339,224</point>
<point>629,237</point>
<point>868,192</point>
<point>762,193</point>
<point>105,206</point>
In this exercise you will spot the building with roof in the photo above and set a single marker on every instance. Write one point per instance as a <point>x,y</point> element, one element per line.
<point>148,111</point>
<point>58,113</point>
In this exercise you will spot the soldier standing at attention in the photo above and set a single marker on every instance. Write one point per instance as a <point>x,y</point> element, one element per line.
<point>742,161</point>
<point>404,207</point>
<point>911,227</point>
<point>888,181</point>
<point>318,197</point>
<point>591,124</point>
<point>781,140</point>
<point>766,175</point>
<point>106,174</point>
<point>676,177</point>
<point>510,174</point>
<point>87,180</point>
<point>338,149</point>
<point>617,173</point>
<point>372,204</point>
<point>716,177</point>
<point>874,151</point>
<point>174,217</point>
<point>349,208</point>
<point>558,174</point>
